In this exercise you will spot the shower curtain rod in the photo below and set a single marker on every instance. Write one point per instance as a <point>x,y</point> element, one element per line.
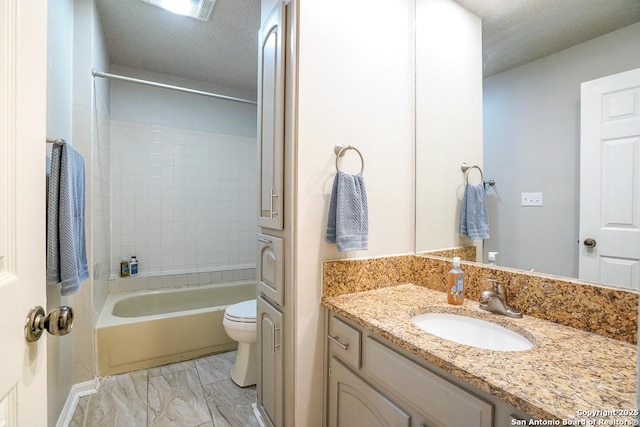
<point>171,87</point>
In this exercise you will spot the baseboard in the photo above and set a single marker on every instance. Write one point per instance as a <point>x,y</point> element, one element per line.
<point>77,391</point>
<point>256,412</point>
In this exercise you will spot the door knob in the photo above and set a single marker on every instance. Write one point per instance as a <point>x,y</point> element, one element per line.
<point>590,243</point>
<point>58,322</point>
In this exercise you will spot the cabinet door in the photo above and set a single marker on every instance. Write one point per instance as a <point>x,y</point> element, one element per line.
<point>271,119</point>
<point>270,375</point>
<point>354,403</point>
<point>271,268</point>
<point>443,402</point>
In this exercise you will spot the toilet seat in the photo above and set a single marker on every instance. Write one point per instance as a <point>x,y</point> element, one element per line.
<point>242,312</point>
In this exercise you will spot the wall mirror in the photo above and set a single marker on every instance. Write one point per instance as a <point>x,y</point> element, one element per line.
<point>530,137</point>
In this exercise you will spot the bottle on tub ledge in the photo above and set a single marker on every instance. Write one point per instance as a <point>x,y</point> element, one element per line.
<point>124,268</point>
<point>455,284</point>
<point>133,266</point>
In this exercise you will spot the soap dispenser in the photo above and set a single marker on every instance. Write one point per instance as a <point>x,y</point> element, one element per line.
<point>492,258</point>
<point>455,286</point>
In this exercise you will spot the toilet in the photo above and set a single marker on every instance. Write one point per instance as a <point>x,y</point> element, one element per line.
<point>240,324</point>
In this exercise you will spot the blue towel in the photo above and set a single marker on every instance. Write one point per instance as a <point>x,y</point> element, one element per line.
<point>348,223</point>
<point>66,245</point>
<point>474,220</point>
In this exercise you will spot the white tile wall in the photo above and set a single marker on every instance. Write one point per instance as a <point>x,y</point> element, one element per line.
<point>182,201</point>
<point>144,283</point>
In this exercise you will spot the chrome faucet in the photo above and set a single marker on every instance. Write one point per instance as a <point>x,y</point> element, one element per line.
<point>495,301</point>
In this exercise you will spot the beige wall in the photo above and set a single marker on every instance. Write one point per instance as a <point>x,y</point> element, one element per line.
<point>355,87</point>
<point>75,47</point>
<point>448,117</point>
<point>60,53</point>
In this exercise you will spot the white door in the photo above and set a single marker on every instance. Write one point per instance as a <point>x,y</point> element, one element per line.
<point>23,66</point>
<point>610,180</point>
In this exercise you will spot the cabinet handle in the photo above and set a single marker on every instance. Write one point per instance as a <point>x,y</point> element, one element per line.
<point>275,346</point>
<point>273,214</point>
<point>267,241</point>
<point>335,340</point>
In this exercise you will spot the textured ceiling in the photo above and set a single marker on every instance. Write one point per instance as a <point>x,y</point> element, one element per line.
<point>515,32</point>
<point>223,51</point>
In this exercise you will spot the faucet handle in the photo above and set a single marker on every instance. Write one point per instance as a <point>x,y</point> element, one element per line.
<point>498,288</point>
<point>495,283</point>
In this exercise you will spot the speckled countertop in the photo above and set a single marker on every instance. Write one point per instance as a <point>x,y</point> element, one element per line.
<point>567,371</point>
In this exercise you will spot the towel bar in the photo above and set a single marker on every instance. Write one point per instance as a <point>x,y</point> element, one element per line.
<point>466,167</point>
<point>340,149</point>
<point>57,141</point>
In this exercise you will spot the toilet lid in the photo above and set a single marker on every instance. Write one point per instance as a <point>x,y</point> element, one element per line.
<point>242,311</point>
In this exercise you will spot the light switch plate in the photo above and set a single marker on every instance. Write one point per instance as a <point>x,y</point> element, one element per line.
<point>531,199</point>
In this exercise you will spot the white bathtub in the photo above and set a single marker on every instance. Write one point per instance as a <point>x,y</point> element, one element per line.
<point>143,329</point>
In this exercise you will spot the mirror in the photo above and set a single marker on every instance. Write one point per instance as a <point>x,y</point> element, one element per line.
<point>531,144</point>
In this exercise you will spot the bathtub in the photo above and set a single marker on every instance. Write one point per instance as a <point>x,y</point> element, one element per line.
<point>143,329</point>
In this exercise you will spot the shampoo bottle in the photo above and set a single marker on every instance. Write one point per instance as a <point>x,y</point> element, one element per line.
<point>455,286</point>
<point>133,266</point>
<point>124,268</point>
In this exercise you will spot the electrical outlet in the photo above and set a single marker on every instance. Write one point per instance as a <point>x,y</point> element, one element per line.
<point>531,199</point>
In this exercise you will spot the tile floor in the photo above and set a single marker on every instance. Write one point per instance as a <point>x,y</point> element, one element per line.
<point>188,394</point>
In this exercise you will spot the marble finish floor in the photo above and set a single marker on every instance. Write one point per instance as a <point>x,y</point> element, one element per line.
<point>188,394</point>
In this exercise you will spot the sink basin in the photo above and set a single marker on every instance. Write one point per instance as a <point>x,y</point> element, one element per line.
<point>471,331</point>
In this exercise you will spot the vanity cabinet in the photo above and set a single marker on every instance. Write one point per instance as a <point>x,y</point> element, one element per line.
<point>353,402</point>
<point>374,382</point>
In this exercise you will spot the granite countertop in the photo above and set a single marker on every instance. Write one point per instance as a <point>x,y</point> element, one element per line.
<point>567,371</point>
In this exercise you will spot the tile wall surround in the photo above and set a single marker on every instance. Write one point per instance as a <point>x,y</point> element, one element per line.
<point>609,312</point>
<point>182,201</point>
<point>143,283</point>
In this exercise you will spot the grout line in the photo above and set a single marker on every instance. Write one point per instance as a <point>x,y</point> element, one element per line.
<point>206,402</point>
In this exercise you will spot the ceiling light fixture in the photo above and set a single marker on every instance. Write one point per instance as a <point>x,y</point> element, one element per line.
<point>199,9</point>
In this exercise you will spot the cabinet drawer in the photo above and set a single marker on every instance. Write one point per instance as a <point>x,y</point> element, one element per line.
<point>344,341</point>
<point>440,400</point>
<point>271,268</point>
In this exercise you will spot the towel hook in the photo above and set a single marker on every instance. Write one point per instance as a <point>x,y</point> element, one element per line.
<point>340,149</point>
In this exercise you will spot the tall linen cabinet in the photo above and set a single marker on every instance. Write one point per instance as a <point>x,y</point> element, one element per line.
<point>276,48</point>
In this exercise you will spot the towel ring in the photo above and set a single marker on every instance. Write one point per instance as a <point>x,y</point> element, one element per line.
<point>467,169</point>
<point>340,149</point>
